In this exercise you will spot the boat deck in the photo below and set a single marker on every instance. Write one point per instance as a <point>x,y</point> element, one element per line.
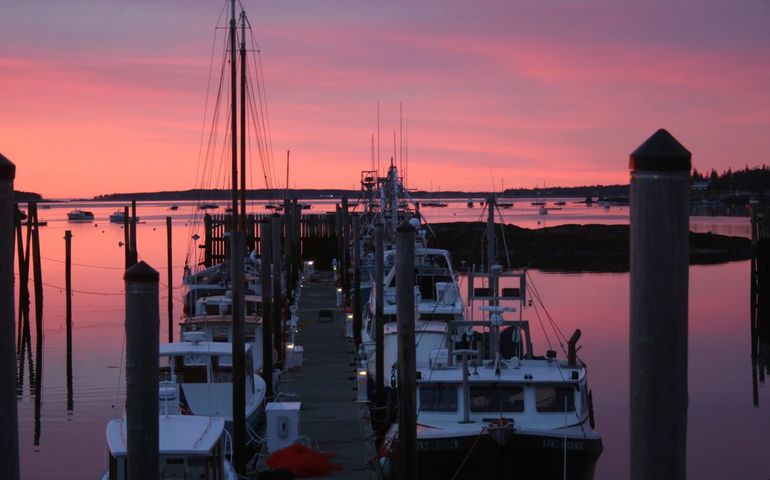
<point>325,384</point>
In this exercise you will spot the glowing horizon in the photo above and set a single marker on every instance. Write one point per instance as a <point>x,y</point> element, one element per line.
<point>109,97</point>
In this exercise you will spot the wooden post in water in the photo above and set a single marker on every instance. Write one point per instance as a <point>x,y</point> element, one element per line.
<point>127,236</point>
<point>753,302</point>
<point>659,282</point>
<point>379,302</point>
<point>266,264</point>
<point>9,436</point>
<point>356,280</point>
<point>407,381</point>
<point>23,259</point>
<point>142,342</point>
<point>38,282</point>
<point>277,306</point>
<point>68,318</point>
<point>134,252</point>
<point>288,219</point>
<point>170,280</point>
<point>345,253</point>
<point>238,242</point>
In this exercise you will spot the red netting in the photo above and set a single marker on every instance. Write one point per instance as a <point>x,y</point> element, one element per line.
<point>303,461</point>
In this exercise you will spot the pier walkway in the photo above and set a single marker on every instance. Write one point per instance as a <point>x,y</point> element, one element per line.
<point>330,418</point>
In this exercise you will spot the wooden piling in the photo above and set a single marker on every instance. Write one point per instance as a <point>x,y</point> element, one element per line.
<point>23,260</point>
<point>142,343</point>
<point>239,357</point>
<point>345,252</point>
<point>266,261</point>
<point>407,381</point>
<point>68,310</point>
<point>659,284</point>
<point>133,248</point>
<point>37,270</point>
<point>288,219</point>
<point>379,302</point>
<point>127,237</point>
<point>170,280</point>
<point>277,306</point>
<point>9,439</point>
<point>356,245</point>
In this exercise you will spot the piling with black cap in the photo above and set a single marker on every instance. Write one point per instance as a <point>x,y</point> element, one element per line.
<point>407,375</point>
<point>379,301</point>
<point>266,265</point>
<point>238,248</point>
<point>170,280</point>
<point>68,310</point>
<point>142,342</point>
<point>277,306</point>
<point>9,438</point>
<point>659,283</point>
<point>356,279</point>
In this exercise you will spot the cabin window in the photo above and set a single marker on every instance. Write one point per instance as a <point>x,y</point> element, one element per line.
<point>220,334</point>
<point>494,398</point>
<point>221,373</point>
<point>439,398</point>
<point>552,398</point>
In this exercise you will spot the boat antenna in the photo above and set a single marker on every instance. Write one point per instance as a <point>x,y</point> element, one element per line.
<point>286,190</point>
<point>233,115</point>
<point>378,139</point>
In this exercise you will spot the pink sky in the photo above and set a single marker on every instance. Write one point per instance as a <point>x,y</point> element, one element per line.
<point>108,96</point>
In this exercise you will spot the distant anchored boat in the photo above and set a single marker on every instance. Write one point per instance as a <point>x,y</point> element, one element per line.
<point>82,215</point>
<point>119,216</point>
<point>207,206</point>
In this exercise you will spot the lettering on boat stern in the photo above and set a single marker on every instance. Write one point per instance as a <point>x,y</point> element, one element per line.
<point>559,443</point>
<point>442,444</point>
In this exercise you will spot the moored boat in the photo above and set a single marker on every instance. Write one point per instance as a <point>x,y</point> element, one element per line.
<point>119,216</point>
<point>80,215</point>
<point>190,446</point>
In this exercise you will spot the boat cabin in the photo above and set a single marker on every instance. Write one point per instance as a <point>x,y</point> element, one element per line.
<point>190,447</point>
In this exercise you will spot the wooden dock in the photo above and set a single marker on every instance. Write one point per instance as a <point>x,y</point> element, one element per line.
<point>330,418</point>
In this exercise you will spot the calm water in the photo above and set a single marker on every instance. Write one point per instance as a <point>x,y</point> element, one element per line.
<point>727,436</point>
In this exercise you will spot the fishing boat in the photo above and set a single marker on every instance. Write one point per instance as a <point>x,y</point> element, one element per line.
<point>174,207</point>
<point>207,206</point>
<point>437,301</point>
<point>505,204</point>
<point>489,407</point>
<point>538,204</point>
<point>197,379</point>
<point>80,215</point>
<point>561,203</point>
<point>119,216</point>
<point>190,446</point>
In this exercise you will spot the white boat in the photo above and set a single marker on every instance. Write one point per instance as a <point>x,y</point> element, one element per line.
<point>119,216</point>
<point>190,446</point>
<point>197,379</point>
<point>80,215</point>
<point>437,299</point>
<point>488,407</point>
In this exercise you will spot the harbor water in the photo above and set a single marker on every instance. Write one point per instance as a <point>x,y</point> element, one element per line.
<point>727,436</point>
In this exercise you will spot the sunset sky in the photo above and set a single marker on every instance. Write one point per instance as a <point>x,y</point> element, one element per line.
<point>109,96</point>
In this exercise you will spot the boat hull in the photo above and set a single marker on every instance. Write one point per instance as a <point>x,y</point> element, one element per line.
<point>521,457</point>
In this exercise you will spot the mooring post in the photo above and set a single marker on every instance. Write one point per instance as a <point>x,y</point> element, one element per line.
<point>659,282</point>
<point>288,219</point>
<point>127,236</point>
<point>9,436</point>
<point>407,382</point>
<point>238,242</point>
<point>134,252</point>
<point>68,310</point>
<point>37,269</point>
<point>266,265</point>
<point>277,306</point>
<point>142,343</point>
<point>345,254</point>
<point>379,302</point>
<point>753,308</point>
<point>170,280</point>
<point>356,280</point>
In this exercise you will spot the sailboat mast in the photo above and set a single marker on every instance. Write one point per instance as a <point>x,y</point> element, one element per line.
<point>233,116</point>
<point>243,121</point>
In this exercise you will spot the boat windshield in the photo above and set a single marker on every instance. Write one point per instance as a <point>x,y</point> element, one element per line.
<point>496,398</point>
<point>555,398</point>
